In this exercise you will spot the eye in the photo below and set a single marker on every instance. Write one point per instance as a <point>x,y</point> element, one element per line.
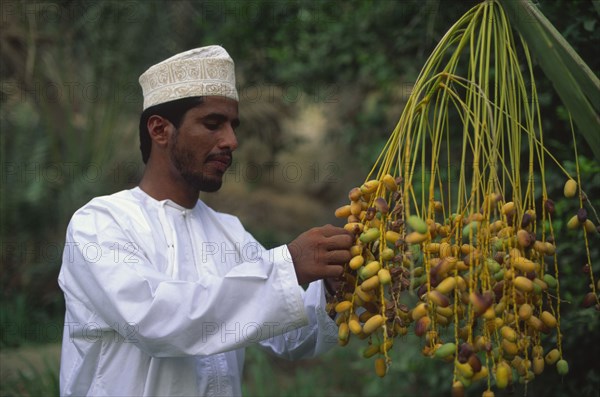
<point>212,126</point>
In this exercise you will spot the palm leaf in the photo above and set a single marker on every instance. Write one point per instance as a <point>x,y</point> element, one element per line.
<point>577,86</point>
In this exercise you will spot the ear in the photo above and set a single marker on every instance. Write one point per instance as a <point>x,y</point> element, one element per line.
<point>159,129</point>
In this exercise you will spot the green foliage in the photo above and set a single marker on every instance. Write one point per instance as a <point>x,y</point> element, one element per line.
<point>343,371</point>
<point>574,82</point>
<point>33,379</point>
<point>62,127</point>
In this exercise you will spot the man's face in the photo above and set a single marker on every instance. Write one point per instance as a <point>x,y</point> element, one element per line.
<point>201,149</point>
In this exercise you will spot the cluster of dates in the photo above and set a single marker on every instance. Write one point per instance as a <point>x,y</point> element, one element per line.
<point>485,288</point>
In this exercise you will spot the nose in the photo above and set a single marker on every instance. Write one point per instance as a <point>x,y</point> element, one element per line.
<point>228,139</point>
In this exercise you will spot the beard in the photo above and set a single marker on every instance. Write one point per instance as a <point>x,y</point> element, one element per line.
<point>184,161</point>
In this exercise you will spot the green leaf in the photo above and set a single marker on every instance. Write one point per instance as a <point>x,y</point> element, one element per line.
<point>577,86</point>
<point>589,25</point>
<point>596,4</point>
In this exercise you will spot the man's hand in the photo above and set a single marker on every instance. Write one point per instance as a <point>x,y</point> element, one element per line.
<point>320,253</point>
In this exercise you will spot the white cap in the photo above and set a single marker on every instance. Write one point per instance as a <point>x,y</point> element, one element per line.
<point>205,71</point>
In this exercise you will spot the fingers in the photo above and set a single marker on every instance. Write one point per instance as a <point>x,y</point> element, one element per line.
<point>338,256</point>
<point>330,231</point>
<point>339,241</point>
<point>333,271</point>
<point>337,245</point>
<point>321,253</point>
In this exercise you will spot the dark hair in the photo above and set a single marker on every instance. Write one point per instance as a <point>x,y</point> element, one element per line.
<point>172,111</point>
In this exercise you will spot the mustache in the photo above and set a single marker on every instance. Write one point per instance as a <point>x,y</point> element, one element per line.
<point>226,154</point>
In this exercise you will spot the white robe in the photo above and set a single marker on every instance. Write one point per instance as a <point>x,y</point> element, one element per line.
<point>162,300</point>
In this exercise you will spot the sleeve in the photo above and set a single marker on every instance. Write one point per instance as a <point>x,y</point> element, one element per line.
<point>173,317</point>
<point>316,338</point>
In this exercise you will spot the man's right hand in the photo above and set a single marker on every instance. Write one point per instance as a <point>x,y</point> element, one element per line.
<point>320,252</point>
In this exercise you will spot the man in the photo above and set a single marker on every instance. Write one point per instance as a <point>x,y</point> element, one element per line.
<point>163,293</point>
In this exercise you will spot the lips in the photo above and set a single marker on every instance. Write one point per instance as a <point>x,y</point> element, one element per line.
<point>220,161</point>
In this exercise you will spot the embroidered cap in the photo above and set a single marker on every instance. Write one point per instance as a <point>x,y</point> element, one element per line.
<point>204,71</point>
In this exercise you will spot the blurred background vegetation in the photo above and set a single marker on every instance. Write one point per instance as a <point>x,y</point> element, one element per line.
<point>322,84</point>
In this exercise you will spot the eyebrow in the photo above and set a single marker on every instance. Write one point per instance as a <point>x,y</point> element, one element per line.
<point>220,118</point>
